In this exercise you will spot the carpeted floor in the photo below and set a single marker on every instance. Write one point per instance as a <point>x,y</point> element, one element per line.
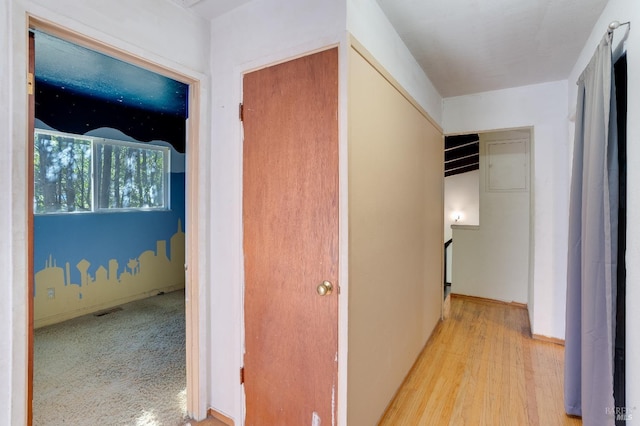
<point>123,368</point>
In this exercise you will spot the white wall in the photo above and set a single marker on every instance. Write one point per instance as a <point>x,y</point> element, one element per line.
<point>492,259</point>
<point>461,195</point>
<point>252,36</point>
<point>625,10</point>
<point>171,37</point>
<point>542,107</point>
<point>256,34</point>
<point>7,317</point>
<point>371,27</point>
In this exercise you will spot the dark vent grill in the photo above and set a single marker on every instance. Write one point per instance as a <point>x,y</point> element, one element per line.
<point>461,154</point>
<point>107,312</point>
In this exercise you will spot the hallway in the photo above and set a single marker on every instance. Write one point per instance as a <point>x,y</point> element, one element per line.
<point>481,367</point>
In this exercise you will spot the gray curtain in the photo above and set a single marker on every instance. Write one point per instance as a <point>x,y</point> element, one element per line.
<point>593,245</point>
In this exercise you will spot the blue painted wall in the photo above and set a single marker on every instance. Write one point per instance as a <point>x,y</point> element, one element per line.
<point>99,238</point>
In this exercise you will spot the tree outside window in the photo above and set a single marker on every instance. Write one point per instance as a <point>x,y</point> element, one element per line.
<point>81,174</point>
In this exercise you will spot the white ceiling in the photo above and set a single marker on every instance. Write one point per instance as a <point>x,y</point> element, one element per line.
<point>211,8</point>
<point>471,46</point>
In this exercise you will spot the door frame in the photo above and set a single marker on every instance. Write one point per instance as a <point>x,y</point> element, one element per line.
<point>193,291</point>
<point>343,45</point>
<point>339,208</point>
<point>531,188</point>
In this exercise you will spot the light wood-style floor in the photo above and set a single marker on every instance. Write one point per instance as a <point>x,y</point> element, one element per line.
<point>210,421</point>
<point>481,367</point>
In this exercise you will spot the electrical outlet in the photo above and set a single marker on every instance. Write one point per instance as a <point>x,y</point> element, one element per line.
<point>51,293</point>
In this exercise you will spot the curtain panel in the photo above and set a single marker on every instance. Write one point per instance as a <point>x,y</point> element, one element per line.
<point>593,245</point>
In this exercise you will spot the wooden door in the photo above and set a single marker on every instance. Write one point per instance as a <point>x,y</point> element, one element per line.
<point>290,213</point>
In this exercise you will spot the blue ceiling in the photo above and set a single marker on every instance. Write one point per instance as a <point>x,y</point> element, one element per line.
<point>77,69</point>
<point>79,90</point>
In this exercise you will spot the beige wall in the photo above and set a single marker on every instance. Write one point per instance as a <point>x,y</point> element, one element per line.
<point>395,238</point>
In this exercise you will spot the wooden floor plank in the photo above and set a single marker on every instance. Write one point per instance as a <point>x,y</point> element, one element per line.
<point>481,367</point>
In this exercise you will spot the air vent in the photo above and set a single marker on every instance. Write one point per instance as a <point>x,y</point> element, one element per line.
<point>107,312</point>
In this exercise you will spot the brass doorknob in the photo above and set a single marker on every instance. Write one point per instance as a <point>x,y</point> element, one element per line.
<point>325,288</point>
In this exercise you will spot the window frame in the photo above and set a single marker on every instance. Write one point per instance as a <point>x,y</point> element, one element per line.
<point>94,143</point>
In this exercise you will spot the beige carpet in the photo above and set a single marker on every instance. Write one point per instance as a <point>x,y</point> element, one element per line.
<point>123,368</point>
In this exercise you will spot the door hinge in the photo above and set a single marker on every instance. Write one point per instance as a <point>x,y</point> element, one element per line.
<point>241,112</point>
<point>30,83</point>
<point>241,375</point>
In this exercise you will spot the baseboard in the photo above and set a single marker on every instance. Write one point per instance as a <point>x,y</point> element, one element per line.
<point>548,339</point>
<point>64,316</point>
<point>487,300</point>
<point>413,367</point>
<point>446,307</point>
<point>540,337</point>
<point>220,417</point>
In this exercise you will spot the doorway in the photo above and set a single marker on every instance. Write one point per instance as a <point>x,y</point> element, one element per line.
<point>461,193</point>
<point>188,226</point>
<point>490,218</point>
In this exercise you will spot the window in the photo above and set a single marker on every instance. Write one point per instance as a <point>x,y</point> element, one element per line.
<point>81,174</point>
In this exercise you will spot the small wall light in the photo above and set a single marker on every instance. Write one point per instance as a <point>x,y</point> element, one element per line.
<point>456,216</point>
